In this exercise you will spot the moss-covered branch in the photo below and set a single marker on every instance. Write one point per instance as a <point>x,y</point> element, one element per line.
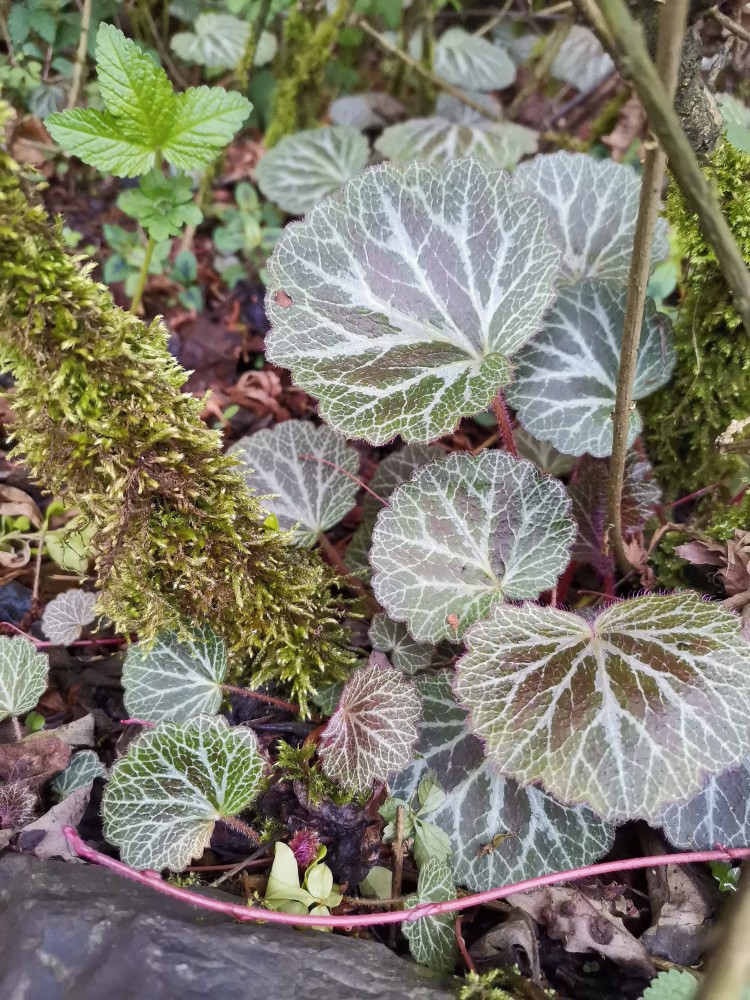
<point>102,420</point>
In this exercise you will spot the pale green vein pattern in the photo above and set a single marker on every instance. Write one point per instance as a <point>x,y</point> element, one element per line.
<point>534,833</point>
<point>432,940</point>
<point>404,652</point>
<point>65,616</point>
<point>718,814</point>
<point>83,768</point>
<point>303,169</point>
<point>566,380</point>
<point>175,680</point>
<point>372,732</point>
<point>399,303</point>
<point>23,676</point>
<point>627,713</point>
<point>312,493</point>
<point>164,797</point>
<point>592,207</point>
<point>465,534</point>
<point>471,62</point>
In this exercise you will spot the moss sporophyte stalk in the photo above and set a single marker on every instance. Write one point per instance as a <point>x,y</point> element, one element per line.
<point>102,420</point>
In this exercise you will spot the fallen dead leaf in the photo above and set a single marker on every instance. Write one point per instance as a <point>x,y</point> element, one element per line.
<point>584,923</point>
<point>44,837</point>
<point>33,761</point>
<point>513,942</point>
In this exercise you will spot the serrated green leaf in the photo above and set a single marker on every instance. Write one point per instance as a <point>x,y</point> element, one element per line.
<point>430,794</point>
<point>672,985</point>
<point>134,89</point>
<point>206,119</point>
<point>474,63</point>
<point>372,732</point>
<point>565,386</point>
<point>173,679</point>
<point>465,534</point>
<point>312,493</point>
<point>432,940</point>
<point>162,205</point>
<point>736,121</point>
<point>499,831</point>
<point>176,780</point>
<point>23,676</point>
<point>430,842</point>
<point>399,303</point>
<point>627,713</point>
<point>84,767</point>
<point>67,614</point>
<point>96,138</point>
<point>592,208</point>
<point>303,169</point>
<point>378,883</point>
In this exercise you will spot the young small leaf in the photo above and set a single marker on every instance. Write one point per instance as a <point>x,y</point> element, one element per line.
<point>404,652</point>
<point>176,780</point>
<point>592,207</point>
<point>373,730</point>
<point>463,535</point>
<point>83,768</point>
<point>303,169</point>
<point>308,493</point>
<point>173,679</point>
<point>471,62</point>
<point>499,832</point>
<point>399,303</point>
<point>23,676</point>
<point>432,940</point>
<point>565,385</point>
<point>626,713</point>
<point>162,205</point>
<point>67,614</point>
<point>672,985</point>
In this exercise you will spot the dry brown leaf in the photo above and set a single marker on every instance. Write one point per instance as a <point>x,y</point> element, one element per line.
<point>513,942</point>
<point>732,558</point>
<point>630,124</point>
<point>45,838</point>
<point>585,923</point>
<point>16,503</point>
<point>33,761</point>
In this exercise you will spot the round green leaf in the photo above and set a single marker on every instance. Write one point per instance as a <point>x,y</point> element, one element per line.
<point>174,679</point>
<point>165,795</point>
<point>404,652</point>
<point>469,61</point>
<point>67,614</point>
<point>465,534</point>
<point>23,676</point>
<point>673,985</point>
<point>311,493</point>
<point>592,207</point>
<point>499,831</point>
<point>218,42</point>
<point>373,730</point>
<point>83,768</point>
<point>626,713</point>
<point>581,61</point>
<point>399,303</point>
<point>305,168</point>
<point>566,378</point>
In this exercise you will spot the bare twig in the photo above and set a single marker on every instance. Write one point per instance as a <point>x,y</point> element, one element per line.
<point>729,24</point>
<point>629,51</point>
<point>493,22</point>
<point>672,24</point>
<point>433,78</point>
<point>251,913</point>
<point>80,63</point>
<point>241,865</point>
<point>397,853</point>
<point>543,64</point>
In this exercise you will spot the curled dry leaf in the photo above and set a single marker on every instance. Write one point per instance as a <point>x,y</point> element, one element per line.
<point>44,838</point>
<point>33,761</point>
<point>372,733</point>
<point>731,558</point>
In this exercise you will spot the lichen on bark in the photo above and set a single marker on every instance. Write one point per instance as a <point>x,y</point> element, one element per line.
<point>102,420</point>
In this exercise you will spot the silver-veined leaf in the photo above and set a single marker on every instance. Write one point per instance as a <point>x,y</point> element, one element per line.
<point>303,169</point>
<point>373,109</point>
<point>404,652</point>
<point>175,781</point>
<point>499,831</point>
<point>472,62</point>
<point>626,713</point>
<point>83,768</point>
<point>718,814</point>
<point>66,615</point>
<point>302,464</point>
<point>218,41</point>
<point>592,206</point>
<point>465,534</point>
<point>175,679</point>
<point>432,940</point>
<point>399,304</point>
<point>736,121</point>
<point>437,140</point>
<point>373,730</point>
<point>566,379</point>
<point>542,454</point>
<point>581,61</point>
<point>23,676</point>
<point>393,470</point>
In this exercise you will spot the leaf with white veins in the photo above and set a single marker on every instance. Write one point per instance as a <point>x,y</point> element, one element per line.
<point>626,713</point>
<point>66,615</point>
<point>432,940</point>
<point>23,676</point>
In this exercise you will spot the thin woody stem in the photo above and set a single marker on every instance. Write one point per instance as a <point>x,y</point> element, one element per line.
<point>672,23</point>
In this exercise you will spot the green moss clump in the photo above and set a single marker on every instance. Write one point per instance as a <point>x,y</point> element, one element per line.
<point>711,384</point>
<point>306,51</point>
<point>102,420</point>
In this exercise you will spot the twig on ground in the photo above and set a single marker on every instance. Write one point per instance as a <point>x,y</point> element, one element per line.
<point>267,699</point>
<point>252,913</point>
<point>729,24</point>
<point>672,23</point>
<point>241,865</point>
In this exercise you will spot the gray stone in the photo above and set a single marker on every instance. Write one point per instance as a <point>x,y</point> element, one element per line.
<point>78,932</point>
